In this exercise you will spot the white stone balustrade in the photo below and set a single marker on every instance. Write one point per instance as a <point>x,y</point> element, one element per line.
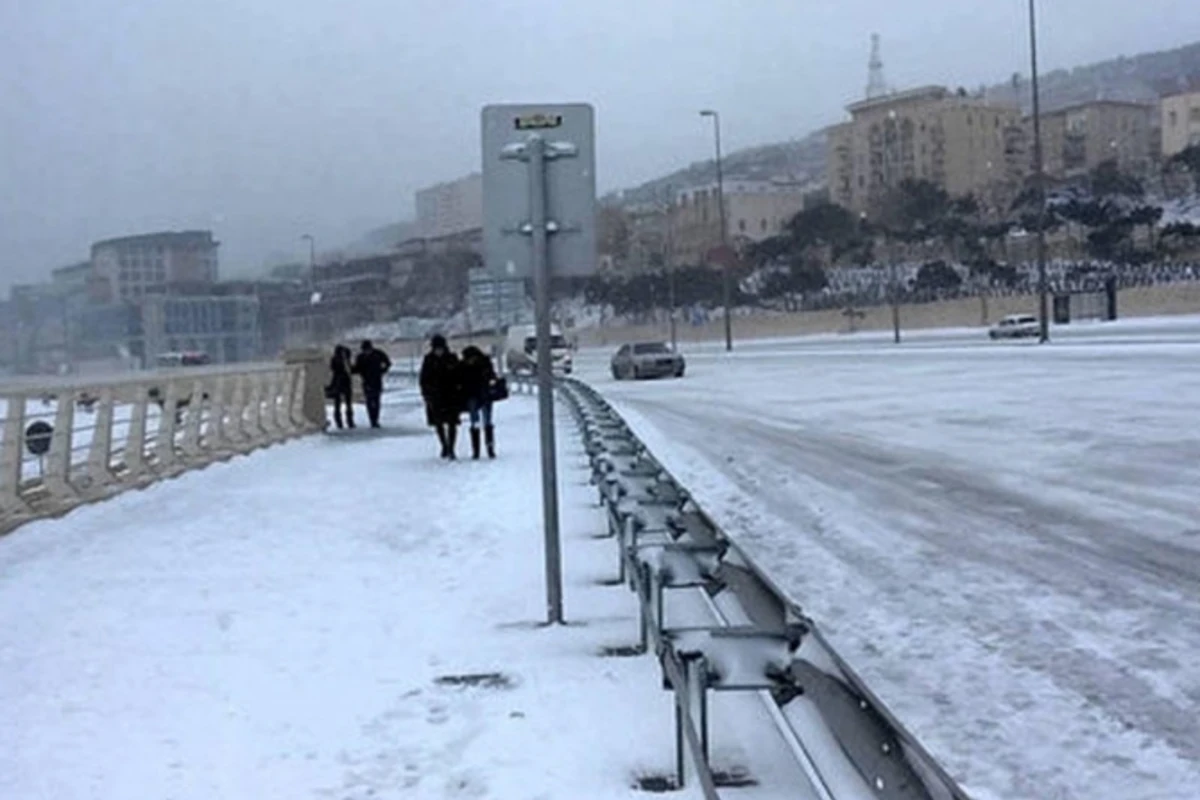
<point>109,435</point>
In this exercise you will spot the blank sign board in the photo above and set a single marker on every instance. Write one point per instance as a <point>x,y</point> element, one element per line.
<point>570,189</point>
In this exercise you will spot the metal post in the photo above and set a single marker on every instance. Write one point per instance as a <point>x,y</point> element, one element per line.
<point>895,297</point>
<point>536,151</point>
<point>726,278</point>
<point>671,293</point>
<point>670,264</point>
<point>310,313</point>
<point>695,693</point>
<point>1040,178</point>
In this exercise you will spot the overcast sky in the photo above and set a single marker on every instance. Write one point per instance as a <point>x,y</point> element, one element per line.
<point>267,119</point>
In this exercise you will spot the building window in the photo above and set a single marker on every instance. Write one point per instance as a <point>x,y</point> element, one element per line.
<point>1195,114</point>
<point>764,224</point>
<point>742,225</point>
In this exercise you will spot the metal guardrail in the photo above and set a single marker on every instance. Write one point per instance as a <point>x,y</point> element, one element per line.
<point>846,742</point>
<point>72,441</point>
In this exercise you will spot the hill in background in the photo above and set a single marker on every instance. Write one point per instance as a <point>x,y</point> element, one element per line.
<point>1139,78</point>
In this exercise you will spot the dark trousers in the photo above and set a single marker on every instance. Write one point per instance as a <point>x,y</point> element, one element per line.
<point>372,394</point>
<point>447,433</point>
<point>343,397</point>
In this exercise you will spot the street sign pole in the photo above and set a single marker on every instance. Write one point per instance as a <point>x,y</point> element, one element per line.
<point>536,154</point>
<point>560,223</point>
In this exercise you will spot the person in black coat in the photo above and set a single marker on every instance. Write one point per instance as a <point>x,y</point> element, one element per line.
<point>478,377</point>
<point>341,385</point>
<point>371,365</point>
<point>442,390</point>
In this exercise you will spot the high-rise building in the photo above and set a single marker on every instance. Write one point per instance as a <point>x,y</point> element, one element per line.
<point>961,143</point>
<point>132,266</point>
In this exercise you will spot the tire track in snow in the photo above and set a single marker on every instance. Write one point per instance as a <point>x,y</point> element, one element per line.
<point>1032,566</point>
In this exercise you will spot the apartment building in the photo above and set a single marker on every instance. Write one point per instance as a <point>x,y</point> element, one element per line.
<point>964,144</point>
<point>132,266</point>
<point>1180,122</point>
<point>1077,139</point>
<point>754,211</point>
<point>450,209</point>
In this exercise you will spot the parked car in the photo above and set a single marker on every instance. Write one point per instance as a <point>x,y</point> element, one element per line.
<point>647,360</point>
<point>1016,326</point>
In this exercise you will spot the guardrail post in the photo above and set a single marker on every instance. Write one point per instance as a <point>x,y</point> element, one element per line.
<point>100,454</point>
<point>135,439</point>
<point>695,696</point>
<point>233,424</point>
<point>313,370</point>
<point>213,438</point>
<point>643,593</point>
<point>624,545</point>
<point>10,457</point>
<point>253,421</point>
<point>57,478</point>
<point>193,417</point>
<point>296,399</point>
<point>164,448</point>
<point>277,392</point>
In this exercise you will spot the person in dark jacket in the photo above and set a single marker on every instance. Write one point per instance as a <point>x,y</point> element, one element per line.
<point>441,388</point>
<point>478,377</point>
<point>371,365</point>
<point>341,385</point>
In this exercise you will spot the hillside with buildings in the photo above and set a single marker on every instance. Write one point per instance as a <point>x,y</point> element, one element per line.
<point>1142,79</point>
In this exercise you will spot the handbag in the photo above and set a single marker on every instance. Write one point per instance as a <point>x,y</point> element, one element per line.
<point>497,390</point>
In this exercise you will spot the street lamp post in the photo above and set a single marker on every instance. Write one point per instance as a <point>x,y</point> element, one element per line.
<point>669,262</point>
<point>726,288</point>
<point>1040,179</point>
<point>312,284</point>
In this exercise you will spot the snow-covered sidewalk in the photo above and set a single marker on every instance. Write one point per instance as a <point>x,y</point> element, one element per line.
<point>306,622</point>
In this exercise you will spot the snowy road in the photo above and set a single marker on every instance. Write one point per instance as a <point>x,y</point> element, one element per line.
<point>1004,540</point>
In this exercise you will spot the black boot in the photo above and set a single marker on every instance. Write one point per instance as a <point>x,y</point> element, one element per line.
<point>441,434</point>
<point>489,435</point>
<point>451,439</point>
<point>475,444</point>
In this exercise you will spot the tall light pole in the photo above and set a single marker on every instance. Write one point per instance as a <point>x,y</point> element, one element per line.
<point>670,263</point>
<point>312,284</point>
<point>1039,173</point>
<point>726,289</point>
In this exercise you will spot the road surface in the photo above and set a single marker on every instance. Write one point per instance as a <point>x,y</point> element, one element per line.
<point>1003,538</point>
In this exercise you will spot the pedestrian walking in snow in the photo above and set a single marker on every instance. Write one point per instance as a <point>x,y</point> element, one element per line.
<point>481,388</point>
<point>441,388</point>
<point>371,365</point>
<point>341,385</point>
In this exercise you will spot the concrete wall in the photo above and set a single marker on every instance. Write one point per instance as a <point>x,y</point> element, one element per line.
<point>964,313</point>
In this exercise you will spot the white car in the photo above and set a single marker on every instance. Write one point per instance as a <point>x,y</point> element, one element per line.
<point>520,351</point>
<point>1016,326</point>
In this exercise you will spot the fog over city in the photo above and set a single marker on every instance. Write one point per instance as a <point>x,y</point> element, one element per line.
<point>264,120</point>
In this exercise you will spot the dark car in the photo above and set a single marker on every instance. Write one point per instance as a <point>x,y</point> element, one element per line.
<point>647,360</point>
